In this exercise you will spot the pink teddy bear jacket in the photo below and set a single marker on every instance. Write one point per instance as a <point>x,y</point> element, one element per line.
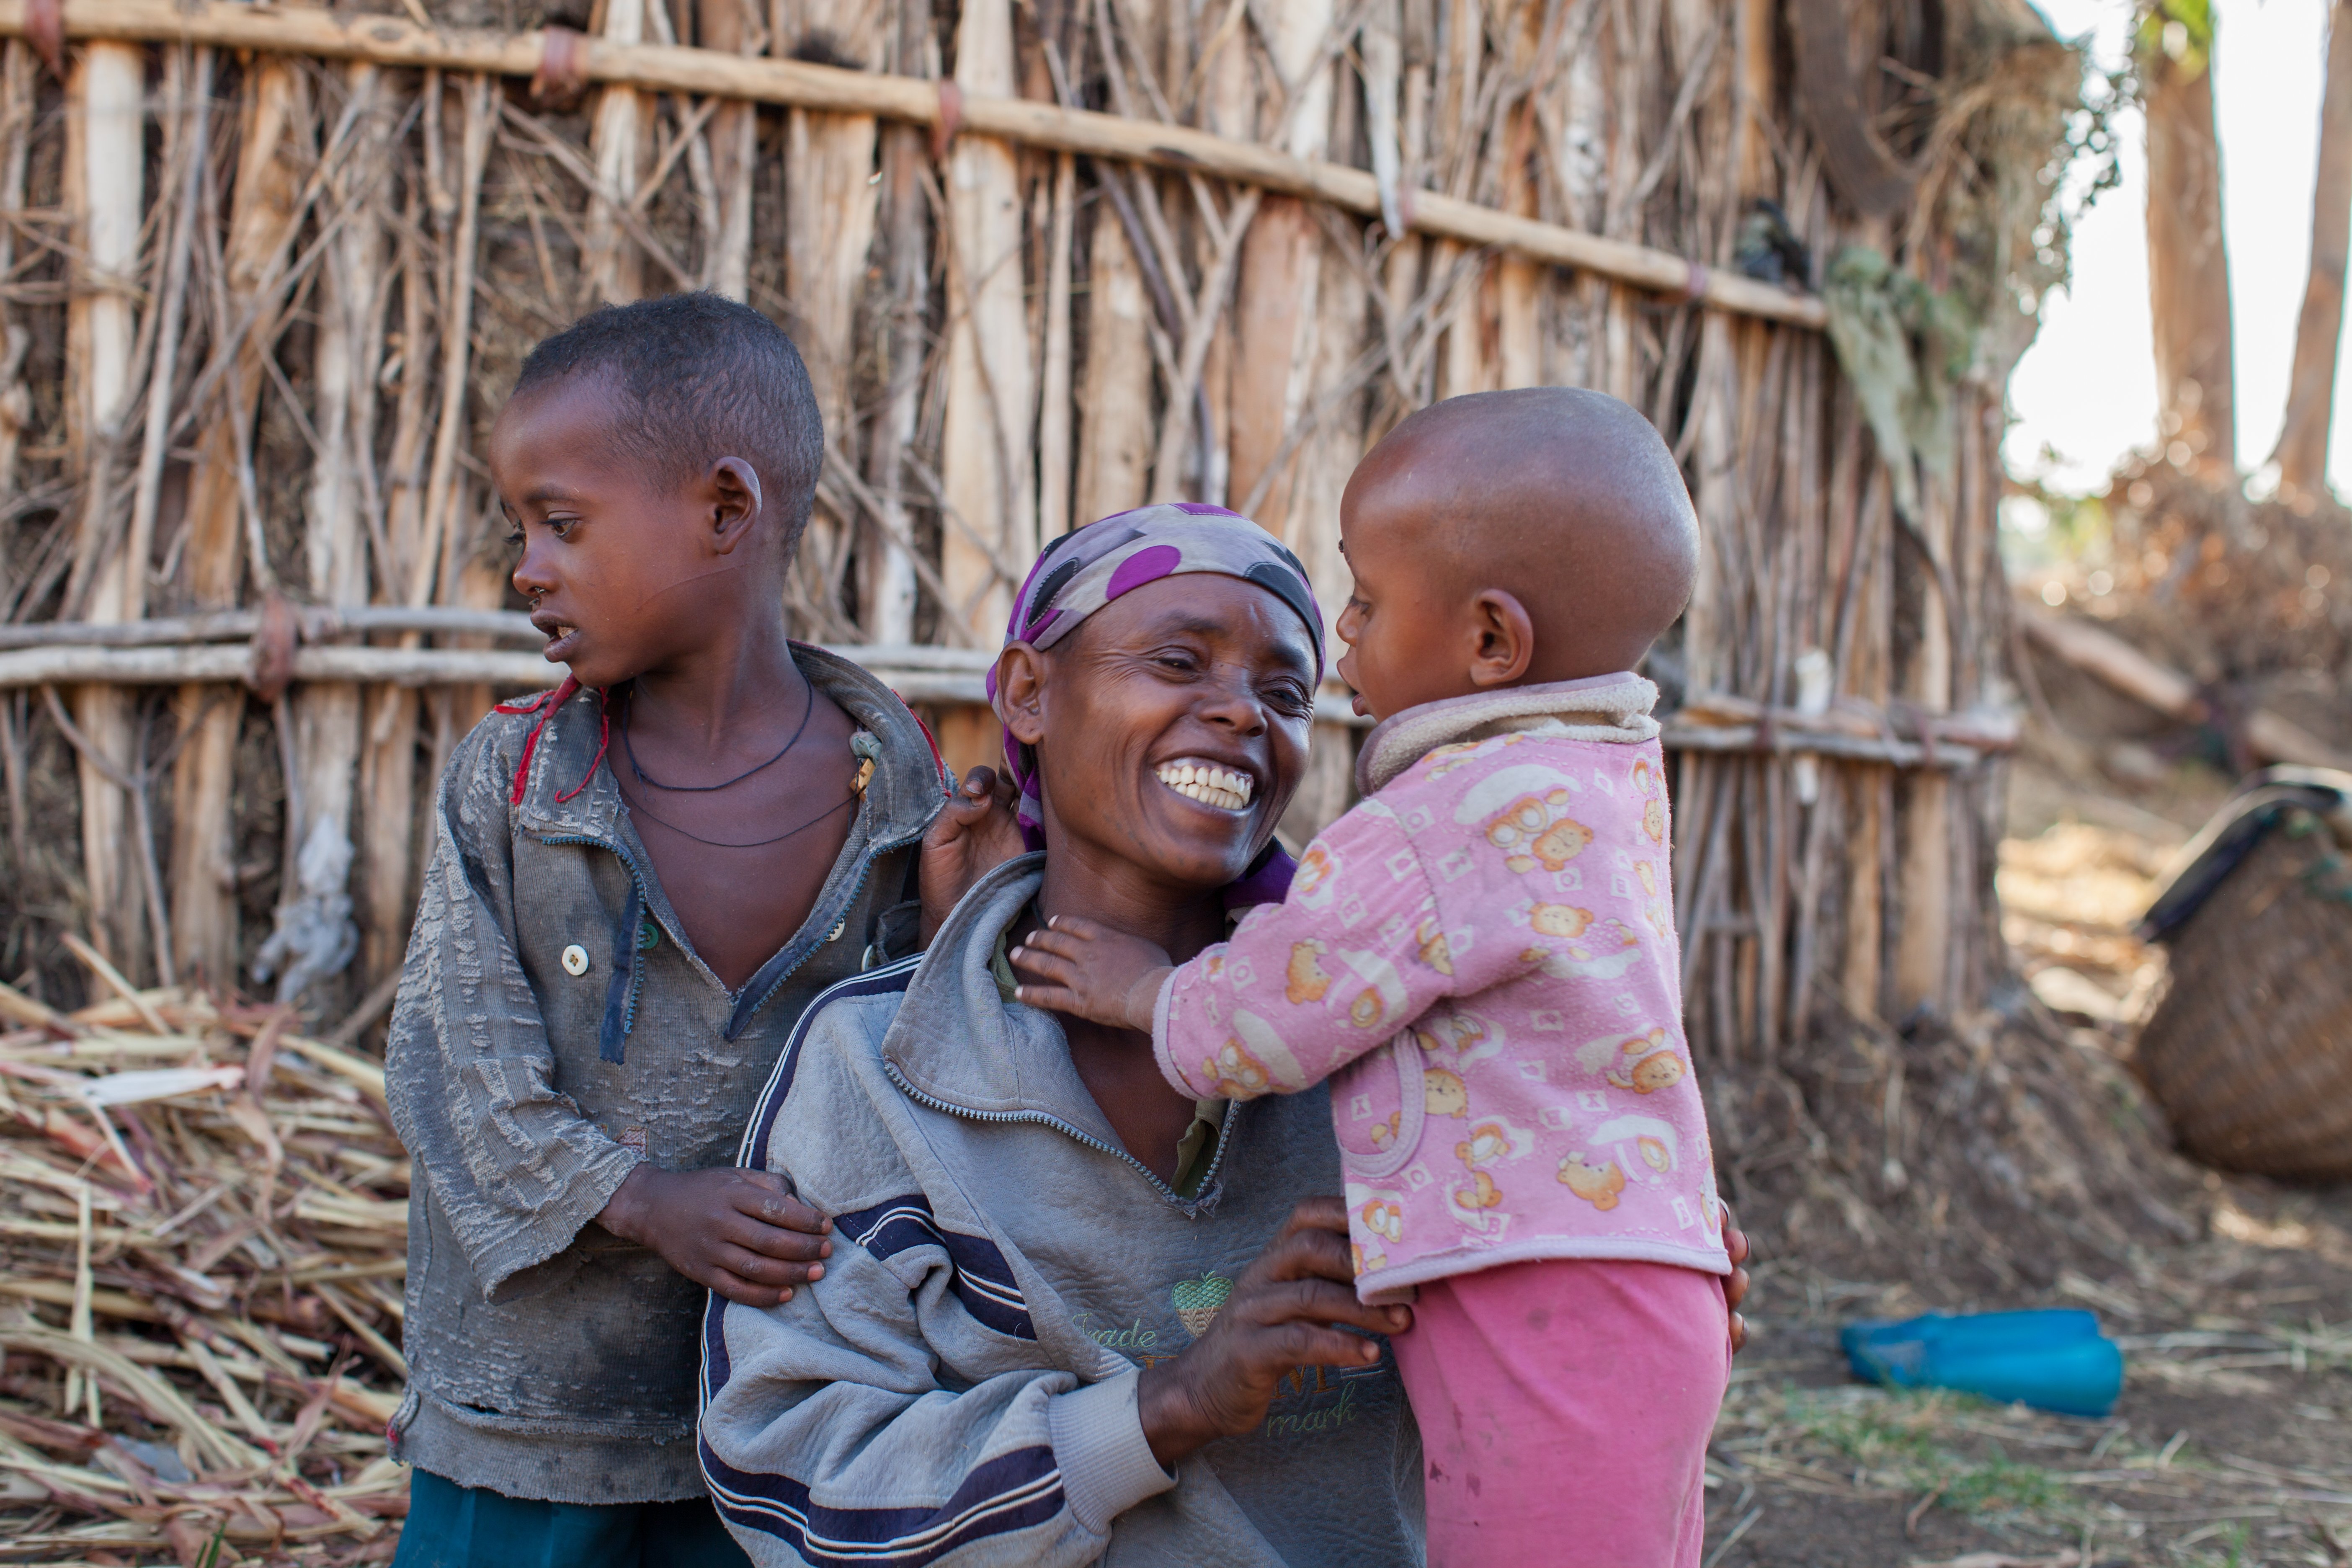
<point>1482,959</point>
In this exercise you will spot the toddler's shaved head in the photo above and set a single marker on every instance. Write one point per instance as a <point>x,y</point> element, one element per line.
<point>1564,501</point>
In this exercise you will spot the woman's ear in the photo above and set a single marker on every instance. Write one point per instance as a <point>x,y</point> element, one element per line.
<point>1021,692</point>
<point>734,502</point>
<point>1505,638</point>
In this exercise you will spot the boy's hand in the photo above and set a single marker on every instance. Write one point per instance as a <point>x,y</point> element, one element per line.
<point>1279,1316</point>
<point>737,1231</point>
<point>1092,971</point>
<point>973,834</point>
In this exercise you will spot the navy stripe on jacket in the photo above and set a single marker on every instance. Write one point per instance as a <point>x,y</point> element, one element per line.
<point>1010,1493</point>
<point>984,1282</point>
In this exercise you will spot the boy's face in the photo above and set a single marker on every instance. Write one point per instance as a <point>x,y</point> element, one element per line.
<point>1407,635</point>
<point>619,565</point>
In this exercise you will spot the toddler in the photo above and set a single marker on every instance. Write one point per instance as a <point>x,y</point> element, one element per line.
<point>1482,958</point>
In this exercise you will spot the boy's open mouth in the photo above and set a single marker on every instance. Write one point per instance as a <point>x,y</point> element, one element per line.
<point>560,635</point>
<point>1211,784</point>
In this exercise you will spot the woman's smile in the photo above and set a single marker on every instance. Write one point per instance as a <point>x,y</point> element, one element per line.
<point>1220,786</point>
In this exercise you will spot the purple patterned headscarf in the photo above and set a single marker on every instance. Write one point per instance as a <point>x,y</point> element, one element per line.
<point>1087,568</point>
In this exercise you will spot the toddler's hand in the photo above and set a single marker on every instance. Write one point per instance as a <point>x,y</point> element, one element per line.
<point>1092,971</point>
<point>973,834</point>
<point>1283,1314</point>
<point>737,1231</point>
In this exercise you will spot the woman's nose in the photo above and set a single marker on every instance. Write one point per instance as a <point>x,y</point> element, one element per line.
<point>1234,703</point>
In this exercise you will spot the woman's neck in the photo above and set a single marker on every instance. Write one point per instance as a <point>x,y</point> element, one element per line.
<point>1083,880</point>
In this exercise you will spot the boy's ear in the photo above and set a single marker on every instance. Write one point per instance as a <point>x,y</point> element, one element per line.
<point>1504,634</point>
<point>1021,692</point>
<point>734,502</point>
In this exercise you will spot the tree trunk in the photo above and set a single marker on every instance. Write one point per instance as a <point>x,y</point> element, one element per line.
<point>2302,454</point>
<point>2187,266</point>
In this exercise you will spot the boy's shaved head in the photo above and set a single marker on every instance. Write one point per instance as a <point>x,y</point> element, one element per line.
<point>698,378</point>
<point>1565,498</point>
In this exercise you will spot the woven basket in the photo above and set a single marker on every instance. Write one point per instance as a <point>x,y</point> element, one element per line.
<point>2250,1052</point>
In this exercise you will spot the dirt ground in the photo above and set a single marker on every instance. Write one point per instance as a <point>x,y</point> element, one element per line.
<point>2232,1443</point>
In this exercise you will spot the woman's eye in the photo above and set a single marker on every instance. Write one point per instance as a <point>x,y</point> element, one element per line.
<point>514,539</point>
<point>560,526</point>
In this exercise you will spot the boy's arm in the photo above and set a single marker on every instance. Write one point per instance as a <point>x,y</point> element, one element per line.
<point>515,1168</point>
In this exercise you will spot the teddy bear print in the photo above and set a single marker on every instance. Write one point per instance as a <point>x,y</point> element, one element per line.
<point>1239,1075</point>
<point>1482,1192</point>
<point>1490,1142</point>
<point>1563,921</point>
<point>1596,1184</point>
<point>1310,885</point>
<point>1436,952</point>
<point>1384,1134</point>
<point>1653,820</point>
<point>1644,1063</point>
<point>1527,833</point>
<point>1305,980</point>
<point>1444,1093</point>
<point>1603,952</point>
<point>1384,1217</point>
<point>1457,1039</point>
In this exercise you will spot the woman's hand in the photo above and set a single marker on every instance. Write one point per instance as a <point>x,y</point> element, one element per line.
<point>1279,1316</point>
<point>1092,971</point>
<point>973,834</point>
<point>737,1231</point>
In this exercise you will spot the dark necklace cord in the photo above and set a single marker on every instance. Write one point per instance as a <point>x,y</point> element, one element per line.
<point>630,708</point>
<point>754,844</point>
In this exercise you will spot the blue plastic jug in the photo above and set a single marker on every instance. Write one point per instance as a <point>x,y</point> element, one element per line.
<point>2053,1359</point>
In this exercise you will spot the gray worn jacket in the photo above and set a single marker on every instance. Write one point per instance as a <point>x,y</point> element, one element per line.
<point>960,1388</point>
<point>549,1358</point>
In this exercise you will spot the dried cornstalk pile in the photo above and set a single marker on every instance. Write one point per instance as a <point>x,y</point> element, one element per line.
<point>203,1228</point>
<point>263,281</point>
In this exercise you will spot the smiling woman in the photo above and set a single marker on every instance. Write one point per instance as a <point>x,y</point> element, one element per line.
<point>1073,1311</point>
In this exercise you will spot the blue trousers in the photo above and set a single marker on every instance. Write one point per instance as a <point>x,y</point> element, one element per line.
<point>450,1526</point>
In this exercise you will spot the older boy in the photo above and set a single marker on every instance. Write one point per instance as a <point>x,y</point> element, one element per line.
<point>638,881</point>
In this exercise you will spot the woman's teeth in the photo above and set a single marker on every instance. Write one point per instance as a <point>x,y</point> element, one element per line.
<point>561,632</point>
<point>1225,788</point>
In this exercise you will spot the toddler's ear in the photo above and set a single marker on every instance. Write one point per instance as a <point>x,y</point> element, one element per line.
<point>1505,633</point>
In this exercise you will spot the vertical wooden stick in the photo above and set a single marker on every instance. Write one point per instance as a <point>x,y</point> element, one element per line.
<point>613,264</point>
<point>105,180</point>
<point>992,385</point>
<point>732,26</point>
<point>16,105</point>
<point>274,137</point>
<point>388,760</point>
<point>1053,404</point>
<point>1115,427</point>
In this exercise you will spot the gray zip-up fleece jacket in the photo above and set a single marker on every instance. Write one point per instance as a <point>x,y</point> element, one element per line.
<point>960,1388</point>
<point>553,1028</point>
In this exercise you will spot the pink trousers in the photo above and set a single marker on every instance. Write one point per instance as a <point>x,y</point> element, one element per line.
<point>1565,1409</point>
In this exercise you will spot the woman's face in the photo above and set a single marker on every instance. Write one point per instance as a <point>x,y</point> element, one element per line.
<point>1171,727</point>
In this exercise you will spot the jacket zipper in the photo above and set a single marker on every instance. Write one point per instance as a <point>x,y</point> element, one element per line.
<point>1041,1119</point>
<point>864,872</point>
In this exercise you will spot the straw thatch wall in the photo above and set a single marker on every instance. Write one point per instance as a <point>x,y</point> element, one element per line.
<point>265,274</point>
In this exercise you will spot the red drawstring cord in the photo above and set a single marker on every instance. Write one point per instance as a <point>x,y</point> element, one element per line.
<point>545,707</point>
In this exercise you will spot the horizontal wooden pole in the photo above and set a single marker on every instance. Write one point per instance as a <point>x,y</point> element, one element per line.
<point>2101,653</point>
<point>316,624</point>
<point>394,41</point>
<point>955,677</point>
<point>917,674</point>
